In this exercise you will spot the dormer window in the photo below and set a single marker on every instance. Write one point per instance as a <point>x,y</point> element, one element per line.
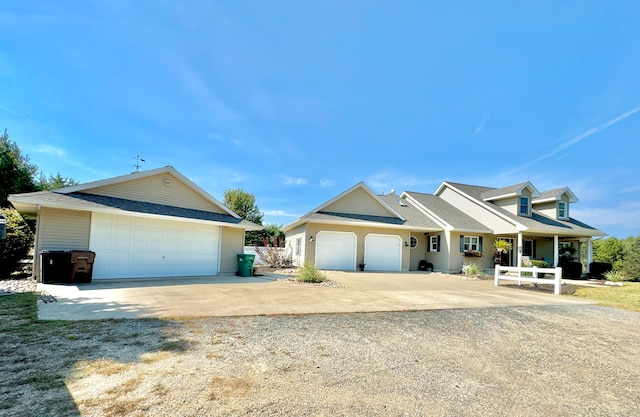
<point>563,212</point>
<point>524,208</point>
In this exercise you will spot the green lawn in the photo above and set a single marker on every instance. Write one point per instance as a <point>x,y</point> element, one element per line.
<point>627,296</point>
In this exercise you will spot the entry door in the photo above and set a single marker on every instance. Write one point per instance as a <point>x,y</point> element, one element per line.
<point>510,257</point>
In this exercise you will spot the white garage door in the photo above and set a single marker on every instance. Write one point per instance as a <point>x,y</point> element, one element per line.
<point>135,247</point>
<point>383,252</point>
<point>336,250</point>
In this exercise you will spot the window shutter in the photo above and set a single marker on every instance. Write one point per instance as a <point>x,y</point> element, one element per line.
<point>438,244</point>
<point>534,249</point>
<point>480,244</point>
<point>461,243</point>
<point>428,243</point>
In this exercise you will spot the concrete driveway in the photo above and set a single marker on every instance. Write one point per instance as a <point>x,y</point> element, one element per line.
<point>236,296</point>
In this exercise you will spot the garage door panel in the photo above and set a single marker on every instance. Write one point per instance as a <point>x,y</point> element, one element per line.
<point>132,247</point>
<point>383,252</point>
<point>336,251</point>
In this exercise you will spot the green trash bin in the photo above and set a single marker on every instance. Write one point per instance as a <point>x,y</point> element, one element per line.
<point>245,264</point>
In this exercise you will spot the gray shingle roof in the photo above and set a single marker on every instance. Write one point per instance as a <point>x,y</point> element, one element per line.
<point>414,216</point>
<point>83,201</point>
<point>447,212</point>
<point>495,192</point>
<point>537,222</point>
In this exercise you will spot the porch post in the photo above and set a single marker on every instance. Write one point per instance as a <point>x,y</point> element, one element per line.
<point>519,249</point>
<point>589,253</point>
<point>556,257</point>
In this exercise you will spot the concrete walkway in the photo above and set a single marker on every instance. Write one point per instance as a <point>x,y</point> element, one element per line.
<point>236,296</point>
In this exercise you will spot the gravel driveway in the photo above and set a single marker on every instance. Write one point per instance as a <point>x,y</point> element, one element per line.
<point>510,361</point>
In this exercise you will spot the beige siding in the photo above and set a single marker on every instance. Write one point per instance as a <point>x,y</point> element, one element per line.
<point>548,209</point>
<point>232,243</point>
<point>481,214</point>
<point>440,260</point>
<point>361,232</point>
<point>358,202</point>
<point>154,190</point>
<point>64,229</point>
<point>457,258</point>
<point>418,253</point>
<point>292,236</point>
<point>509,204</point>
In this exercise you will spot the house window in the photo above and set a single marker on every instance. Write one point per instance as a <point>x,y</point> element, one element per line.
<point>414,242</point>
<point>472,243</point>
<point>527,248</point>
<point>562,210</point>
<point>434,243</point>
<point>298,246</point>
<point>524,206</point>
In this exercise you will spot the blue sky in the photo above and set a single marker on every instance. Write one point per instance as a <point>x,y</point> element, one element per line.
<point>296,101</point>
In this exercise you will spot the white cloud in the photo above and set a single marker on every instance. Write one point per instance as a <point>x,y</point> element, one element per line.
<point>295,181</point>
<point>50,150</point>
<point>584,135</point>
<point>632,189</point>
<point>483,121</point>
<point>280,213</point>
<point>385,181</point>
<point>325,182</point>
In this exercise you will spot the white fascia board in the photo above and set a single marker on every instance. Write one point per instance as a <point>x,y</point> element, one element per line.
<point>295,224</point>
<point>144,174</point>
<point>346,192</point>
<point>373,224</point>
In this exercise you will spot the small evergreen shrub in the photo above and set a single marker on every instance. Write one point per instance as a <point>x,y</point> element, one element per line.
<point>471,269</point>
<point>538,263</point>
<point>309,273</point>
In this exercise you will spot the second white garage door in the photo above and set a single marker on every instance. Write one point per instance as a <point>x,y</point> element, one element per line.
<point>383,252</point>
<point>135,247</point>
<point>336,250</point>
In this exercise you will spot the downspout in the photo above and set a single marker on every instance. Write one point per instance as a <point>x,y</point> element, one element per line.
<point>556,256</point>
<point>589,253</point>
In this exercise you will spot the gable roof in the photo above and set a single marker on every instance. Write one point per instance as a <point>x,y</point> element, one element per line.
<point>407,217</point>
<point>493,194</point>
<point>537,223</point>
<point>144,174</point>
<point>73,198</point>
<point>445,213</point>
<point>555,195</point>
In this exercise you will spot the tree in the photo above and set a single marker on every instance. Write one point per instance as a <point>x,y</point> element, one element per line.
<point>16,172</point>
<point>610,251</point>
<point>17,245</point>
<point>270,235</point>
<point>54,182</point>
<point>631,262</point>
<point>243,204</point>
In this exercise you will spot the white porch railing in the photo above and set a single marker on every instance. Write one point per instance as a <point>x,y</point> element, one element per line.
<point>513,273</point>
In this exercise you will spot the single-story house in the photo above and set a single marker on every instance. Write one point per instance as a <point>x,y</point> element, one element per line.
<point>155,223</point>
<point>456,224</point>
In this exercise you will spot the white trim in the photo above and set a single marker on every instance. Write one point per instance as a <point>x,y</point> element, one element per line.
<point>350,190</point>
<point>144,174</point>
<point>300,222</point>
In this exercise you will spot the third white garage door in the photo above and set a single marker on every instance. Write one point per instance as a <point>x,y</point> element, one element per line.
<point>134,247</point>
<point>336,250</point>
<point>383,252</point>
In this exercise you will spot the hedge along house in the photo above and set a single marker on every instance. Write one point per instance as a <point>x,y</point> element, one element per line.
<point>359,227</point>
<point>155,223</point>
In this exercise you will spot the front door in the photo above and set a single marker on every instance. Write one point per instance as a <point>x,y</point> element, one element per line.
<point>508,258</point>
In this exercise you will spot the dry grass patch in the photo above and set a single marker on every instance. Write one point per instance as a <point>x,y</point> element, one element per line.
<point>221,388</point>
<point>102,367</point>
<point>129,385</point>
<point>152,357</point>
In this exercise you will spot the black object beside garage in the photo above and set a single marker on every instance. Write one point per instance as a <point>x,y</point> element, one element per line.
<point>66,267</point>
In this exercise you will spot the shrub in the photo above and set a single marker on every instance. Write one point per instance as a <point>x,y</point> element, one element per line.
<point>614,276</point>
<point>538,263</point>
<point>275,257</point>
<point>471,269</point>
<point>17,245</point>
<point>309,273</point>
